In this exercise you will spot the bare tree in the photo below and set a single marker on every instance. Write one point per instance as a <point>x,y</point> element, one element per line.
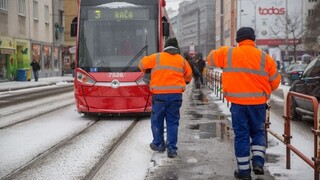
<point>312,34</point>
<point>290,28</point>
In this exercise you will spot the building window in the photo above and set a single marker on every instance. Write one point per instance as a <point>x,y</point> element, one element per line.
<point>46,14</point>
<point>310,12</point>
<point>4,5</point>
<point>60,17</point>
<point>22,7</point>
<point>35,10</point>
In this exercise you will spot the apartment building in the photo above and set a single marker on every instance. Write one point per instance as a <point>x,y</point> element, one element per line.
<point>30,29</point>
<point>194,26</point>
<point>225,16</point>
<point>269,19</point>
<point>68,50</point>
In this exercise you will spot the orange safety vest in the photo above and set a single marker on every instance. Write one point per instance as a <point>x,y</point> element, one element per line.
<point>169,72</point>
<point>249,75</point>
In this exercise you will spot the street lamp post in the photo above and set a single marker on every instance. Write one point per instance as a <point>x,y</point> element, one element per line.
<point>286,56</point>
<point>255,17</point>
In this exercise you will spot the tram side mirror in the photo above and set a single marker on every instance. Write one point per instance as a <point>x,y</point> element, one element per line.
<point>166,31</point>
<point>73,31</point>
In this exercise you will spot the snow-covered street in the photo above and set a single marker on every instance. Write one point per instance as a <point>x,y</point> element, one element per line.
<point>63,144</point>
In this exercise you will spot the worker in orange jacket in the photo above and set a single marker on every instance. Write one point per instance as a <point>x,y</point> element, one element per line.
<point>170,73</point>
<point>249,76</point>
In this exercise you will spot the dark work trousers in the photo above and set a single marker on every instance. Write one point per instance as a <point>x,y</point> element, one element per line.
<point>166,107</point>
<point>248,121</point>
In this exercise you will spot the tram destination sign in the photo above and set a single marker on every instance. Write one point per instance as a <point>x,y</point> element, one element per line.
<point>118,14</point>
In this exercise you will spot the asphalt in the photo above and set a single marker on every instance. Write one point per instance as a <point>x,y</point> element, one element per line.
<point>205,137</point>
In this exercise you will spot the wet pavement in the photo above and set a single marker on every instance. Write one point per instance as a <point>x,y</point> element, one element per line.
<point>205,143</point>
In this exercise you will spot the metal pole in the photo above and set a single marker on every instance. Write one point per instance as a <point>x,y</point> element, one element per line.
<point>255,18</point>
<point>286,57</point>
<point>240,18</point>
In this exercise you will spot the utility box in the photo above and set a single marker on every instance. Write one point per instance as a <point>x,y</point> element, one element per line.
<point>22,75</point>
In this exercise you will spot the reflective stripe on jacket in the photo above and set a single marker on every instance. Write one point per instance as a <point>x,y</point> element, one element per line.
<point>169,73</point>
<point>249,75</point>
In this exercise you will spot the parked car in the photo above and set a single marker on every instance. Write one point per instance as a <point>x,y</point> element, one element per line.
<point>292,73</point>
<point>308,84</point>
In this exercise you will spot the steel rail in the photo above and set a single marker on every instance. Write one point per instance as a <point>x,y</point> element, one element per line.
<point>19,97</point>
<point>46,153</point>
<point>110,151</point>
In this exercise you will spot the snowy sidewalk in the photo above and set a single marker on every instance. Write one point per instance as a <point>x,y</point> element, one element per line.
<point>15,85</point>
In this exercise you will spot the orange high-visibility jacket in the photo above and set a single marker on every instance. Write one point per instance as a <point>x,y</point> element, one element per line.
<point>249,75</point>
<point>169,72</point>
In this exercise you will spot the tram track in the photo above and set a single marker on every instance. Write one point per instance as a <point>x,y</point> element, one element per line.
<point>110,151</point>
<point>30,106</point>
<point>46,153</point>
<point>49,154</point>
<point>17,97</point>
<point>13,119</point>
<point>24,106</point>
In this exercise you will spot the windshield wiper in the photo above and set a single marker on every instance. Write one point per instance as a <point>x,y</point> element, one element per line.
<point>134,58</point>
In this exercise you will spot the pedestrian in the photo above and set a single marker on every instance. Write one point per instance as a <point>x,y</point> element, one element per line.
<point>35,67</point>
<point>170,73</point>
<point>73,66</point>
<point>201,64</point>
<point>249,76</point>
<point>195,70</point>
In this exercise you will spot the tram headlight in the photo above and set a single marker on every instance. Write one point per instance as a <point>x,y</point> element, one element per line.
<point>84,79</point>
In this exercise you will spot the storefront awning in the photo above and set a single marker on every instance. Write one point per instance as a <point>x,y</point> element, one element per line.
<point>6,51</point>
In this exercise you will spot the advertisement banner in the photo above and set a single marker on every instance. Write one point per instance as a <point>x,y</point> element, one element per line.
<point>36,53</point>
<point>47,53</point>
<point>275,53</point>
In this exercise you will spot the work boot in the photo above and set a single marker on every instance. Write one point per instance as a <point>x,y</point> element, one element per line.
<point>258,170</point>
<point>155,148</point>
<point>242,177</point>
<point>172,154</point>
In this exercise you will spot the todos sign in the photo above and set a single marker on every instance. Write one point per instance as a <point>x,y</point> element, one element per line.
<point>271,11</point>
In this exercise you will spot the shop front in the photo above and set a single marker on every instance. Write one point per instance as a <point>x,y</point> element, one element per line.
<point>23,60</point>
<point>68,56</point>
<point>48,56</point>
<point>7,59</point>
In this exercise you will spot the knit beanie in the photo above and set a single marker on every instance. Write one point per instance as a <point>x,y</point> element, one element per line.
<point>172,42</point>
<point>245,33</point>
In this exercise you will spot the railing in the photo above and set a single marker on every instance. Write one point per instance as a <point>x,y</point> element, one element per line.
<point>315,161</point>
<point>214,82</point>
<point>213,79</point>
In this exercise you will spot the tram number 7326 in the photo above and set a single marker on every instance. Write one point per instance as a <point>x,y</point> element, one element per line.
<point>116,75</point>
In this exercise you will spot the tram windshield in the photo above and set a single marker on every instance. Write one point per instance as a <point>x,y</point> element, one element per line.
<point>113,37</point>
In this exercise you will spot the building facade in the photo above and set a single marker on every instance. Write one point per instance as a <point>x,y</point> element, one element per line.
<point>68,50</point>
<point>279,24</point>
<point>27,33</point>
<point>225,16</point>
<point>58,34</point>
<point>194,26</point>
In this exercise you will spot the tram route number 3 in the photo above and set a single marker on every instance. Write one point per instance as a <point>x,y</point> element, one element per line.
<point>115,74</point>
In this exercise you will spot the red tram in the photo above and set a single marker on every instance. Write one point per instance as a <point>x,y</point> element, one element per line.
<point>112,37</point>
